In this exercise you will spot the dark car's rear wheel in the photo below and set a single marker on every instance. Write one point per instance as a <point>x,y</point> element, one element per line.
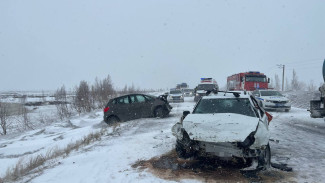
<point>112,119</point>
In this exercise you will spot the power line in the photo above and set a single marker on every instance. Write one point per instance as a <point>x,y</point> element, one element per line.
<point>302,64</point>
<point>305,66</point>
<point>306,61</point>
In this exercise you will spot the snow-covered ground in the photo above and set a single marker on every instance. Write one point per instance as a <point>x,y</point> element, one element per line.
<point>300,146</point>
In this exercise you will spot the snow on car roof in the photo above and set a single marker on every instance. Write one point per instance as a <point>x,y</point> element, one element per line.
<point>228,95</point>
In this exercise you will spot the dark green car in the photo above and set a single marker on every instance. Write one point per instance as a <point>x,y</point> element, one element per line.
<point>134,106</point>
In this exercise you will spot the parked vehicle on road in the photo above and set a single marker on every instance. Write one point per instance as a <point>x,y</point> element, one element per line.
<point>181,86</point>
<point>248,81</point>
<point>317,107</point>
<point>188,92</point>
<point>272,100</point>
<point>175,96</point>
<point>207,84</point>
<point>227,125</point>
<point>134,106</point>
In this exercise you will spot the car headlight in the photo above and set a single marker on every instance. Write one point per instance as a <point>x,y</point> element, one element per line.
<point>177,131</point>
<point>266,100</point>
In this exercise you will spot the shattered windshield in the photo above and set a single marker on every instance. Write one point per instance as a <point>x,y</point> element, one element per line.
<point>237,106</point>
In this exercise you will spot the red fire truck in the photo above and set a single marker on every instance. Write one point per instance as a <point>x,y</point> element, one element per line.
<point>248,81</point>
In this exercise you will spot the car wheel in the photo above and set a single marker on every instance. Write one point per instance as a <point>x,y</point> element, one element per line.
<point>287,110</point>
<point>159,112</point>
<point>112,120</point>
<point>264,160</point>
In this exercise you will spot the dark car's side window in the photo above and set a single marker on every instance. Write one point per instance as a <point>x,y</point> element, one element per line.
<point>133,99</point>
<point>149,98</point>
<point>123,100</point>
<point>114,101</point>
<point>141,99</point>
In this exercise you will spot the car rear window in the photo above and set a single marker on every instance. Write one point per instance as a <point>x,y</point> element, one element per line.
<point>229,105</point>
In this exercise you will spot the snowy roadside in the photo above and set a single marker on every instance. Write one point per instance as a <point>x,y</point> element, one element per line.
<point>111,159</point>
<point>301,99</point>
<point>301,144</point>
<point>40,141</point>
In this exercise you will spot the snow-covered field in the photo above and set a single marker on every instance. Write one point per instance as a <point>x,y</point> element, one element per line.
<point>300,145</point>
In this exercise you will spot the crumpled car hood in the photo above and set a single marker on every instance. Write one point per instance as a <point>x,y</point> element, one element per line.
<point>222,127</point>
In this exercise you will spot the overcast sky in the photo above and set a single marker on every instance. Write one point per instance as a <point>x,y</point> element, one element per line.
<point>156,43</point>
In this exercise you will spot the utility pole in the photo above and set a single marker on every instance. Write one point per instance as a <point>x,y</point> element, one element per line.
<point>283,67</point>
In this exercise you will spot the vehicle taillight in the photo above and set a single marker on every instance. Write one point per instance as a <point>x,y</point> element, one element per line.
<point>106,109</point>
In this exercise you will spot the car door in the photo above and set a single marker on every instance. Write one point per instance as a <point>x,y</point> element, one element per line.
<point>144,106</point>
<point>134,107</point>
<point>151,104</point>
<point>122,108</point>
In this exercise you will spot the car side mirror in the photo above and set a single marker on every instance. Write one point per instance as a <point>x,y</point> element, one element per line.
<point>185,113</point>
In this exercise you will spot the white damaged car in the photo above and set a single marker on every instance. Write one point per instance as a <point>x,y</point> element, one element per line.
<point>272,100</point>
<point>227,125</point>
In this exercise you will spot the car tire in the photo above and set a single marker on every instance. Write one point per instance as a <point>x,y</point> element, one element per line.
<point>112,120</point>
<point>287,110</point>
<point>159,112</point>
<point>264,160</point>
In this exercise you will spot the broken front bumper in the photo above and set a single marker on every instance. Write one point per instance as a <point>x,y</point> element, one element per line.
<point>226,150</point>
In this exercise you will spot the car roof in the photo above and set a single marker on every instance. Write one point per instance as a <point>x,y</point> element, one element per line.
<point>222,95</point>
<point>133,94</point>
